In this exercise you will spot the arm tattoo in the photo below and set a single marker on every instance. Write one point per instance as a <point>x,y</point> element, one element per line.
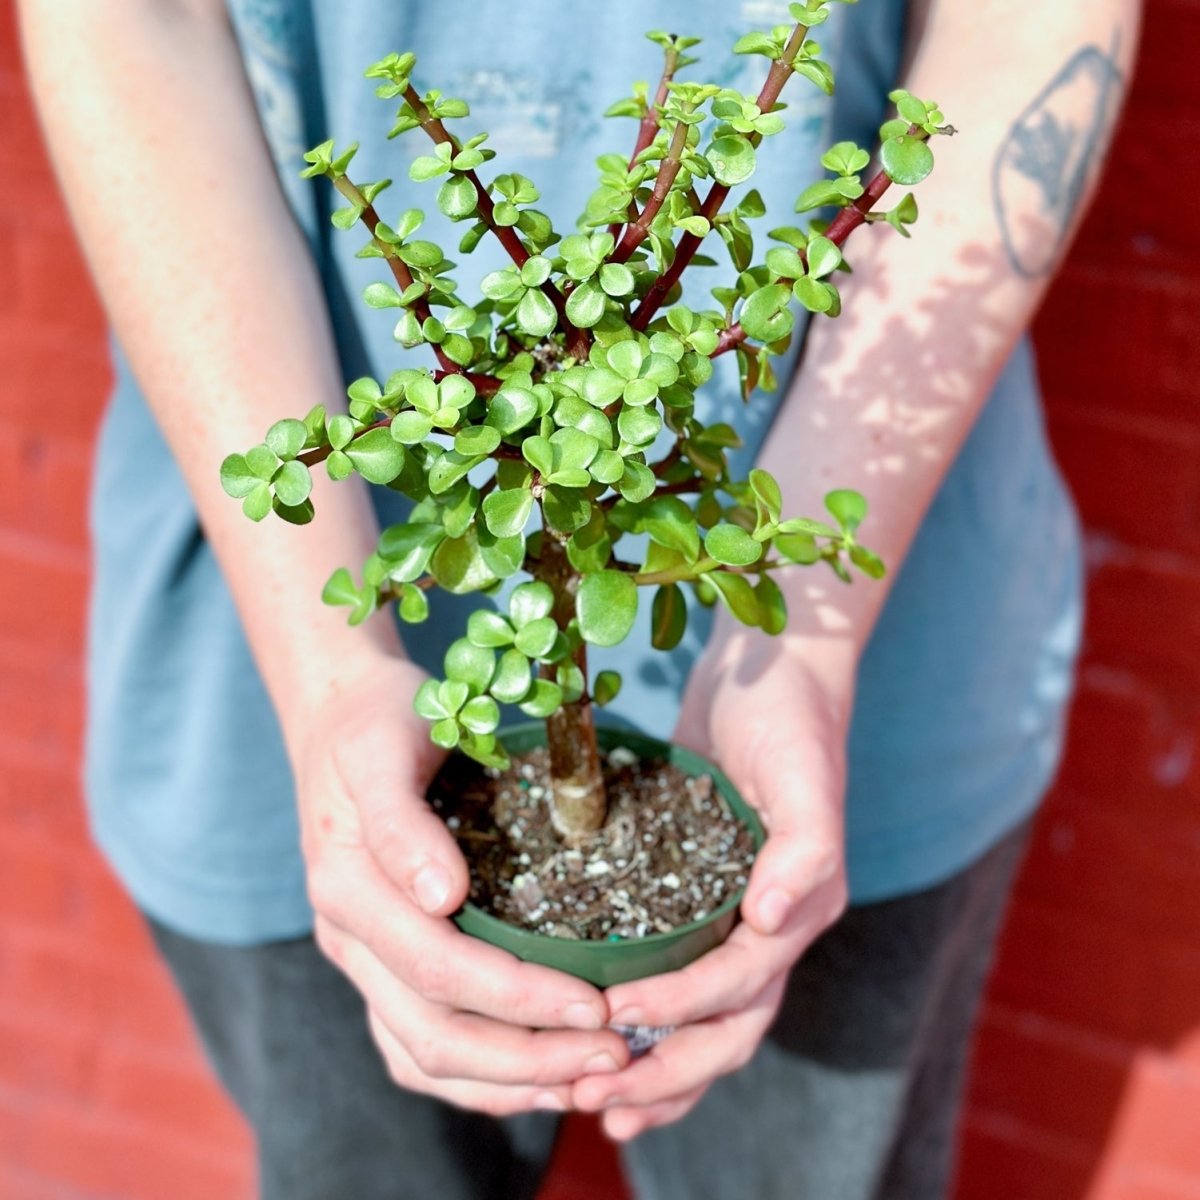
<point>1047,158</point>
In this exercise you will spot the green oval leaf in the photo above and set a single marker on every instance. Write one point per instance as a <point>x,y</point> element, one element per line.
<point>570,678</point>
<point>530,602</point>
<point>476,440</point>
<point>458,564</point>
<point>868,562</point>
<point>506,513</point>
<point>340,589</point>
<point>410,427</point>
<point>668,617</point>
<point>236,477</point>
<point>535,639</point>
<point>823,257</point>
<point>502,556</point>
<point>428,701</point>
<point>906,159</point>
<point>535,271</point>
<point>535,314</point>
<point>511,409</point>
<point>407,549</point>
<point>544,698</point>
<point>606,605</point>
<point>480,715</point>
<point>605,687</point>
<point>602,386</point>
<point>731,159</point>
<point>638,482</point>
<point>470,664</point>
<point>414,604</point>
<point>639,426</point>
<point>626,358</point>
<point>287,437</point>
<point>848,508</point>
<point>292,483</point>
<point>732,546</point>
<point>586,305</point>
<point>510,683</point>
<point>671,523</point>
<point>766,316</point>
<point>445,734</point>
<point>376,456</point>
<point>772,607</point>
<point>616,279</point>
<point>767,493</point>
<point>737,594</point>
<point>486,627</point>
<point>263,462</point>
<point>457,197</point>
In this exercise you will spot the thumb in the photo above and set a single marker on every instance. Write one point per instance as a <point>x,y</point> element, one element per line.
<point>385,772</point>
<point>800,794</point>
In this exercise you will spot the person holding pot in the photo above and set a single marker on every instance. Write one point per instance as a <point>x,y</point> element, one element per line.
<point>255,770</point>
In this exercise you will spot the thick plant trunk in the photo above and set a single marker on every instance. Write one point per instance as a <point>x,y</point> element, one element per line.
<point>579,804</point>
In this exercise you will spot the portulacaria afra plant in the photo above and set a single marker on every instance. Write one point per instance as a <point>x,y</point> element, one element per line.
<point>558,415</point>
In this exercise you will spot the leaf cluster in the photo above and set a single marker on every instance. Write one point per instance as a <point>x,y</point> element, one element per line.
<point>560,425</point>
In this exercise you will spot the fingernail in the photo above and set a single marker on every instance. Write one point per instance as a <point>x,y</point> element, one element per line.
<point>548,1102</point>
<point>773,910</point>
<point>432,886</point>
<point>629,1016</point>
<point>582,1016</point>
<point>600,1064</point>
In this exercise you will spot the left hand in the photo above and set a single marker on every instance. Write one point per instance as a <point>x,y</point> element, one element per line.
<point>774,715</point>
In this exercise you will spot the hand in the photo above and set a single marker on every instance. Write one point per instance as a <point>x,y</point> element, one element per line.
<point>453,1017</point>
<point>778,729</point>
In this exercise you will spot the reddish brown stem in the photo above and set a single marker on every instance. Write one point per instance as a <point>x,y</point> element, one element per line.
<point>668,460</point>
<point>853,215</point>
<point>683,488</point>
<point>668,172</point>
<point>734,336</point>
<point>781,71</point>
<point>648,126</point>
<point>400,271</point>
<point>578,340</point>
<point>840,228</point>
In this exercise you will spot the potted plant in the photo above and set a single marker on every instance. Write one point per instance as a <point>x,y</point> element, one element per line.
<point>559,420</point>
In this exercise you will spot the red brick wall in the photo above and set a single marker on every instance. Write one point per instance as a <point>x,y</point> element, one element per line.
<point>1087,1076</point>
<point>1087,1073</point>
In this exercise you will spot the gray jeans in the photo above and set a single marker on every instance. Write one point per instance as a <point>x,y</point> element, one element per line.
<point>853,1095</point>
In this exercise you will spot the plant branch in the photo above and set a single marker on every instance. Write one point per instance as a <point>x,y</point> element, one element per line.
<point>853,215</point>
<point>781,71</point>
<point>668,460</point>
<point>668,171</point>
<point>702,566</point>
<point>682,488</point>
<point>648,126</point>
<point>312,457</point>
<point>730,337</point>
<point>400,271</point>
<point>578,340</point>
<point>840,228</point>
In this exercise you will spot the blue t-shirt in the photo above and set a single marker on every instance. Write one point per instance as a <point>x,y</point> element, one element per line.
<point>961,694</point>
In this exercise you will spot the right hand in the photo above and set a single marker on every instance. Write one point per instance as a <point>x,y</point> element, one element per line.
<point>453,1016</point>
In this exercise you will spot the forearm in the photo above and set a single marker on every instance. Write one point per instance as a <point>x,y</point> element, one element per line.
<point>889,391</point>
<point>212,292</point>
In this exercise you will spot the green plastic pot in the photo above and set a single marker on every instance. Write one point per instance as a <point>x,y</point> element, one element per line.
<point>608,963</point>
